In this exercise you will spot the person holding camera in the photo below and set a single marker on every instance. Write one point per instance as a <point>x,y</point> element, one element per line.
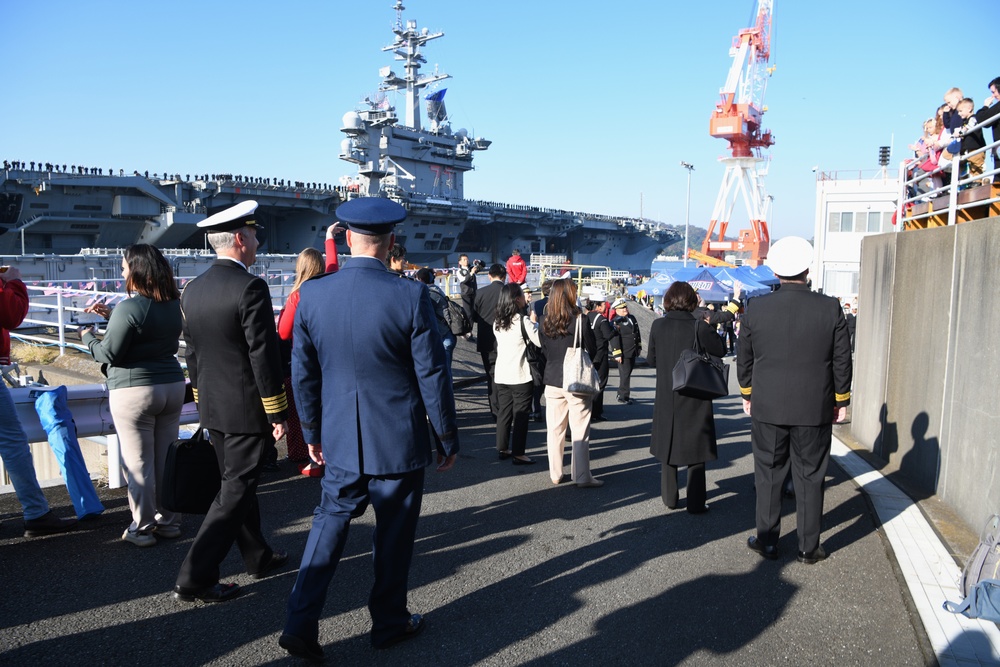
<point>467,285</point>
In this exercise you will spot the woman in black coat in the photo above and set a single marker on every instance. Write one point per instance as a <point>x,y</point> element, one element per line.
<point>683,427</point>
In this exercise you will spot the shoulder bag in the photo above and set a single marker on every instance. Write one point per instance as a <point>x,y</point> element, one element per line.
<point>191,477</point>
<point>697,374</point>
<point>579,374</point>
<point>534,356</point>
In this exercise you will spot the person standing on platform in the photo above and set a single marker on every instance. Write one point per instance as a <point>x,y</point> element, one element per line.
<point>606,337</point>
<point>235,367</point>
<point>629,348</point>
<point>794,369</point>
<point>517,270</point>
<point>367,385</point>
<point>14,449</point>
<point>467,286</point>
<point>852,322</point>
<point>486,342</point>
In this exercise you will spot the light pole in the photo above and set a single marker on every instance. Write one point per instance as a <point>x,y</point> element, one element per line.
<point>687,213</point>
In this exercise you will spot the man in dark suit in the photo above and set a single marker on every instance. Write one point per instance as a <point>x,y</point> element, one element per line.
<point>794,368</point>
<point>485,309</point>
<point>366,387</point>
<point>605,336</point>
<point>236,374</point>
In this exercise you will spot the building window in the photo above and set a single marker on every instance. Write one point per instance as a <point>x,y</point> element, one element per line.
<point>841,222</point>
<point>887,221</point>
<point>874,221</point>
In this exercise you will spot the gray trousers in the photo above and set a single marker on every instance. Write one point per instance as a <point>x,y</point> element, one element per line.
<point>146,420</point>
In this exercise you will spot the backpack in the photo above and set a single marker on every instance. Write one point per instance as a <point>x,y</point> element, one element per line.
<point>983,602</point>
<point>984,563</point>
<point>460,324</point>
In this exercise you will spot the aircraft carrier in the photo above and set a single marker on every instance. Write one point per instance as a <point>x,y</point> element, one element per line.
<point>59,209</point>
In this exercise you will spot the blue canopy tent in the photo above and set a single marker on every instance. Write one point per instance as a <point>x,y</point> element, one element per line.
<point>655,286</point>
<point>729,275</point>
<point>762,274</point>
<point>709,288</point>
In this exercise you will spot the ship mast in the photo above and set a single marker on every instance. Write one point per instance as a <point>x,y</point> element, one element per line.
<point>407,48</point>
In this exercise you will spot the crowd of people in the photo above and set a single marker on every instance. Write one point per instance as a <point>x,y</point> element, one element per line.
<point>341,325</point>
<point>953,136</point>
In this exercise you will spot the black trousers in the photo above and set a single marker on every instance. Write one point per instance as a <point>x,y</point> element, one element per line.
<point>512,418</point>
<point>489,365</point>
<point>806,449</point>
<point>234,515</point>
<point>696,493</point>
<point>597,407</point>
<point>625,378</point>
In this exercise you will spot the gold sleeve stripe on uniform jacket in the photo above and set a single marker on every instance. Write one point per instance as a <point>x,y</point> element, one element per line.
<point>840,398</point>
<point>733,307</point>
<point>745,391</point>
<point>195,392</point>
<point>275,404</point>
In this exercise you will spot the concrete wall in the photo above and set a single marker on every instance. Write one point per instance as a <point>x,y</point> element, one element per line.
<point>925,393</point>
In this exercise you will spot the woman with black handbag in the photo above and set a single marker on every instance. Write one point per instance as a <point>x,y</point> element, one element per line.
<point>515,334</point>
<point>683,427</point>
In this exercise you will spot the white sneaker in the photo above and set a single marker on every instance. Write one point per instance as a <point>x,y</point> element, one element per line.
<point>167,531</point>
<point>139,538</point>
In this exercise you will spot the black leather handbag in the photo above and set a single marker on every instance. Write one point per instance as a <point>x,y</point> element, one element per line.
<point>191,477</point>
<point>697,374</point>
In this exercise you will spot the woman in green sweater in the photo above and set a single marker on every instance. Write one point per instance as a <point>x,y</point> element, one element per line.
<point>145,382</point>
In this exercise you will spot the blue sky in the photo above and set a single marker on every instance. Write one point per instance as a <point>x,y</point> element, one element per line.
<point>588,108</point>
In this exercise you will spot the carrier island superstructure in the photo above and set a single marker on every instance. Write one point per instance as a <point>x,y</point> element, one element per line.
<point>59,209</point>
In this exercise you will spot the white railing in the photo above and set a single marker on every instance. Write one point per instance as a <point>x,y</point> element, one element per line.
<point>948,192</point>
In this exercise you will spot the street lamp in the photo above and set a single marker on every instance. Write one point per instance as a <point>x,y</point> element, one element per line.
<point>687,214</point>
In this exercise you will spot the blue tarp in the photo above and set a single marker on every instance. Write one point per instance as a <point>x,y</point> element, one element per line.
<point>57,420</point>
<point>729,275</point>
<point>717,287</point>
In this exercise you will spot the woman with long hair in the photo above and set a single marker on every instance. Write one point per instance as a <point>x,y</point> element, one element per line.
<point>309,264</point>
<point>513,381</point>
<point>683,427</point>
<point>145,384</point>
<point>562,324</point>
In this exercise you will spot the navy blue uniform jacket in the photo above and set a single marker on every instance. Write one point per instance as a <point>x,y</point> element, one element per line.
<point>368,368</point>
<point>794,357</point>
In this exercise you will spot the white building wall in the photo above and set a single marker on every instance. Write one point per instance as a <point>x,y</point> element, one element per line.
<point>849,206</point>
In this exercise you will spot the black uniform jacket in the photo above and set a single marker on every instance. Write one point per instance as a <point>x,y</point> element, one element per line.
<point>604,334</point>
<point>794,357</point>
<point>232,350</point>
<point>683,427</point>
<point>629,337</point>
<point>485,310</point>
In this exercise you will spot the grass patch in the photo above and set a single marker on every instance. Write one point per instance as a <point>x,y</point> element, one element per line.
<point>23,353</point>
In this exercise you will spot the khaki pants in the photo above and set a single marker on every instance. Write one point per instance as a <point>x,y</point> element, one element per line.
<point>561,409</point>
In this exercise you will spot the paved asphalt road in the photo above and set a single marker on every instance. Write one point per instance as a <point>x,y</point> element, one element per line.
<point>508,570</point>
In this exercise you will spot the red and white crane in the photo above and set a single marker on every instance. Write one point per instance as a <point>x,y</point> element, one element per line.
<point>737,119</point>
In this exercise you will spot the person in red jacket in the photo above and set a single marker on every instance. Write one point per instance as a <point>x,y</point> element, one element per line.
<point>517,270</point>
<point>14,449</point>
<point>308,265</point>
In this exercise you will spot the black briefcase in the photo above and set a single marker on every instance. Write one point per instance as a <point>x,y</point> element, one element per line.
<point>191,478</point>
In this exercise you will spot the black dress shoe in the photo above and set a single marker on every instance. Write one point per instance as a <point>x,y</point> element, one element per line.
<point>278,559</point>
<point>812,558</point>
<point>503,456</point>
<point>47,524</point>
<point>216,593</point>
<point>301,648</point>
<point>768,552</point>
<point>599,418</point>
<point>698,510</point>
<point>523,462</point>
<point>413,628</point>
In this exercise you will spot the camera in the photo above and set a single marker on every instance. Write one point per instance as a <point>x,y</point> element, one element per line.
<point>479,264</point>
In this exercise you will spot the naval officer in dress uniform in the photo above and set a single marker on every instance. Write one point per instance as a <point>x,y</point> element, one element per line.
<point>370,372</point>
<point>794,369</point>
<point>236,374</point>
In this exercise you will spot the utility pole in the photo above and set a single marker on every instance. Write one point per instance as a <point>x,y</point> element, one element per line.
<point>687,213</point>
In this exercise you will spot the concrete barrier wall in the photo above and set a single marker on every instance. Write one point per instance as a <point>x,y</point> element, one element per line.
<point>927,362</point>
